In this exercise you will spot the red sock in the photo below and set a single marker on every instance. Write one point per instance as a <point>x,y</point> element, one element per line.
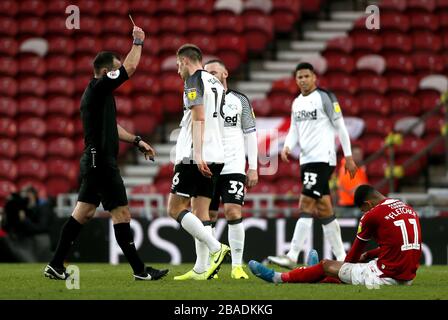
<point>305,274</point>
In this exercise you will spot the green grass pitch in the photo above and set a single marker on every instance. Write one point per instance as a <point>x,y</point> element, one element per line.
<point>104,281</point>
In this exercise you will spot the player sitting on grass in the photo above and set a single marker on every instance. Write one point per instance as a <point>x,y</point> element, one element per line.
<point>393,225</point>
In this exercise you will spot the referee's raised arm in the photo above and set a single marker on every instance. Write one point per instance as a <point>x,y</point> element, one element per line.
<point>133,57</point>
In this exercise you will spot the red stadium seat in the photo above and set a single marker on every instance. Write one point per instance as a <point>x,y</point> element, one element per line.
<point>145,84</point>
<point>230,23</point>
<point>404,104</point>
<point>34,86</point>
<point>61,148</point>
<point>63,168</point>
<point>343,83</point>
<point>93,7</point>
<point>200,25</point>
<point>263,187</point>
<point>9,6</point>
<point>148,104</point>
<point>378,126</point>
<point>373,83</point>
<point>124,105</point>
<point>288,86</point>
<point>84,65</point>
<point>374,103</point>
<point>165,171</point>
<point>60,45</point>
<point>281,105</point>
<point>79,146</point>
<point>426,41</point>
<point>8,66</point>
<point>8,86</point>
<point>288,186</point>
<point>60,86</point>
<point>205,7</point>
<point>57,6</point>
<point>340,44</point>
<point>31,147</point>
<point>428,99</point>
<point>397,41</point>
<point>424,21</point>
<point>349,104</point>
<point>32,26</point>
<point>232,50</point>
<point>8,170</point>
<point>144,189</point>
<point>90,26</point>
<point>411,145</point>
<point>340,63</point>
<point>285,13</point>
<point>32,168</point>
<point>88,45</point>
<point>146,7</point>
<point>8,46</point>
<point>32,65</point>
<point>32,7</point>
<point>377,167</point>
<point>57,186</point>
<point>56,26</point>
<point>431,63</point>
<point>8,148</point>
<point>434,124</point>
<point>149,64</point>
<point>258,31</point>
<point>144,124</point>
<point>149,25</point>
<point>206,43</point>
<point>117,7</point>
<point>8,107</point>
<point>443,19</point>
<point>32,106</point>
<point>61,65</point>
<point>8,128</point>
<point>176,7</point>
<point>422,5</point>
<point>8,27</point>
<point>81,81</point>
<point>170,43</point>
<point>173,25</point>
<point>116,25</point>
<point>172,92</point>
<point>399,63</point>
<point>393,21</point>
<point>261,107</point>
<point>403,83</point>
<point>119,44</point>
<point>32,127</point>
<point>393,5</point>
<point>60,126</point>
<point>369,42</point>
<point>61,105</point>
<point>163,186</point>
<point>6,188</point>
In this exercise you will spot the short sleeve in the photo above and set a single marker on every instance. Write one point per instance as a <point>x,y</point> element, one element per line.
<point>194,90</point>
<point>247,116</point>
<point>112,80</point>
<point>331,106</point>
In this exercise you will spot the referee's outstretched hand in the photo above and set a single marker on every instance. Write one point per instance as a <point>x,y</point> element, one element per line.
<point>147,150</point>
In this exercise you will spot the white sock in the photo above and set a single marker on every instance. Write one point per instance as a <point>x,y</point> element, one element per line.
<point>236,236</point>
<point>202,254</point>
<point>302,232</point>
<point>332,232</point>
<point>194,226</point>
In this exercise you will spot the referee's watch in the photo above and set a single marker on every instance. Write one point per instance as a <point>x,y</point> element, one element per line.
<point>138,42</point>
<point>137,140</point>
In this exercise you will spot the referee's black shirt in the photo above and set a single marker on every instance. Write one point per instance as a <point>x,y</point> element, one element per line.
<point>98,114</point>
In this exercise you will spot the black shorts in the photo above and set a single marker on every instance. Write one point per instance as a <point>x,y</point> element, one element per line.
<point>189,182</point>
<point>101,184</point>
<point>231,189</point>
<point>315,179</point>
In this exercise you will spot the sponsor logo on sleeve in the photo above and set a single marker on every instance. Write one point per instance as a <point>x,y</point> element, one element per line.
<point>113,74</point>
<point>191,93</point>
<point>337,107</point>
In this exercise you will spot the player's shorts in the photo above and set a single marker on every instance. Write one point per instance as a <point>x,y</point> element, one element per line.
<point>315,179</point>
<point>189,182</point>
<point>367,274</point>
<point>102,184</point>
<point>230,188</point>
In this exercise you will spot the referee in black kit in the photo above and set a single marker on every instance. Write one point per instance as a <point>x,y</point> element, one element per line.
<point>101,180</point>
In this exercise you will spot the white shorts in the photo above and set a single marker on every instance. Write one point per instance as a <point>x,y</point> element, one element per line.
<point>367,274</point>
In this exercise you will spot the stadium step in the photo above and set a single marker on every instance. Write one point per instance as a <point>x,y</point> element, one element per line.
<point>140,171</point>
<point>252,86</point>
<point>256,95</point>
<point>130,182</point>
<point>334,25</point>
<point>269,75</point>
<point>346,15</point>
<point>295,56</point>
<point>305,46</point>
<point>284,66</point>
<point>160,159</point>
<point>323,35</point>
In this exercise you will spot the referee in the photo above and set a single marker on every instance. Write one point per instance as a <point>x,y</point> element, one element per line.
<point>101,180</point>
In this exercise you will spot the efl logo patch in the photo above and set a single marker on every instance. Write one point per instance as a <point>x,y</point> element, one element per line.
<point>191,94</point>
<point>337,107</point>
<point>359,227</point>
<point>113,74</point>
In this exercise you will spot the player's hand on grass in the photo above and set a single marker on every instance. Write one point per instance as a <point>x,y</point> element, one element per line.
<point>350,166</point>
<point>285,154</point>
<point>252,178</point>
<point>147,150</point>
<point>138,33</point>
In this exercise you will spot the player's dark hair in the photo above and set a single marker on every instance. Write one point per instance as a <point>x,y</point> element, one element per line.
<point>104,59</point>
<point>304,66</point>
<point>363,193</point>
<point>190,51</point>
<point>218,61</point>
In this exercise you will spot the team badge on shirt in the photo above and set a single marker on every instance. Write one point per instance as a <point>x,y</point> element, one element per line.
<point>113,74</point>
<point>191,93</point>
<point>359,227</point>
<point>337,107</point>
